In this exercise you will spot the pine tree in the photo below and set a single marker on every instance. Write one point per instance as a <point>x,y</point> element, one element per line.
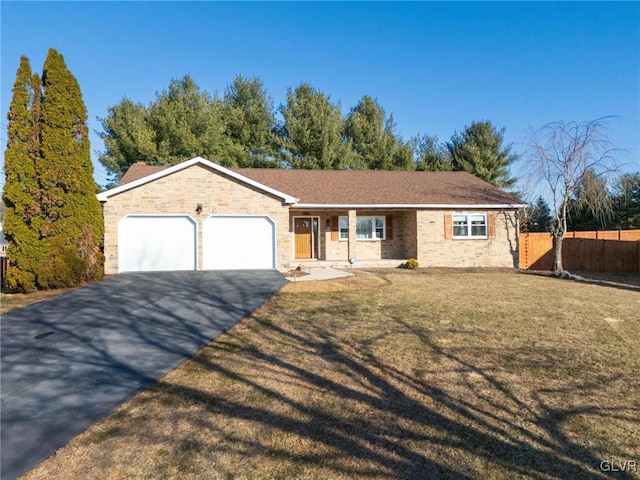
<point>365,127</point>
<point>627,201</point>
<point>313,131</point>
<point>538,216</point>
<point>72,218</point>
<point>374,140</point>
<point>250,123</point>
<point>430,155</point>
<point>479,150</point>
<point>181,123</point>
<point>20,192</point>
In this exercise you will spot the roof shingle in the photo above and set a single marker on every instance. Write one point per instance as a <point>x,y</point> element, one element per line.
<point>140,170</point>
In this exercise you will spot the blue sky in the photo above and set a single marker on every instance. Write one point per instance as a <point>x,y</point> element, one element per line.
<point>435,66</point>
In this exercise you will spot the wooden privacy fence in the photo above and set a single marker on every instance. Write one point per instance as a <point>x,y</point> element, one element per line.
<point>606,234</point>
<point>615,251</point>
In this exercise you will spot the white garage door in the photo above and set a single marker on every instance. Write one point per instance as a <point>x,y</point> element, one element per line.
<point>238,242</point>
<point>148,243</point>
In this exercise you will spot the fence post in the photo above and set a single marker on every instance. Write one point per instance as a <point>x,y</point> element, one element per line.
<point>638,257</point>
<point>524,251</point>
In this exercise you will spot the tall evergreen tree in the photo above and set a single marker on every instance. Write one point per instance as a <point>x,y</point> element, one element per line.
<point>627,201</point>
<point>188,122</point>
<point>479,150</point>
<point>312,133</point>
<point>364,126</point>
<point>373,138</point>
<point>73,225</point>
<point>21,191</point>
<point>250,123</point>
<point>429,155</point>
<point>128,138</point>
<point>538,217</point>
<point>182,122</point>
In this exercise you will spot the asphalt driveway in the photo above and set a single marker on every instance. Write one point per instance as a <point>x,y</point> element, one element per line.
<point>69,361</point>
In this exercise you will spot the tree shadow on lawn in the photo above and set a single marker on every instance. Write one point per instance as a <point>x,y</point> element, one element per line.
<point>374,419</point>
<point>412,427</point>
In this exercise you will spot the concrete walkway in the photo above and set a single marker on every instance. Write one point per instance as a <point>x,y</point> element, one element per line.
<point>69,361</point>
<point>321,274</point>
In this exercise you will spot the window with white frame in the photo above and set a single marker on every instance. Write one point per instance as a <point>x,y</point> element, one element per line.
<point>343,223</point>
<point>367,228</point>
<point>470,226</point>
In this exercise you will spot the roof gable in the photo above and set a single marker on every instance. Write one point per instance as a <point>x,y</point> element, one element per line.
<point>155,172</point>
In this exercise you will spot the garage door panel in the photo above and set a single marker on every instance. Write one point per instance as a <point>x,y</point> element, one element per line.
<point>238,242</point>
<point>156,243</point>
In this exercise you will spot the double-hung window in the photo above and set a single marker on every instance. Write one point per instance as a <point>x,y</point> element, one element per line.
<point>344,228</point>
<point>367,228</point>
<point>470,226</point>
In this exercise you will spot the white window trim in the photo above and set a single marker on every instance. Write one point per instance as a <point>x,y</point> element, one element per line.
<point>469,236</point>
<point>373,232</point>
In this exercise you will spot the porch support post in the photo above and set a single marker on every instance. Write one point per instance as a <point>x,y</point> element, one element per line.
<point>352,233</point>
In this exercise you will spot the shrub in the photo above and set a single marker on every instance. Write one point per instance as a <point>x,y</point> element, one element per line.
<point>411,264</point>
<point>19,280</point>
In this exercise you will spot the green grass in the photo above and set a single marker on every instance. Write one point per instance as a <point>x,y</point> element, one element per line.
<point>395,374</point>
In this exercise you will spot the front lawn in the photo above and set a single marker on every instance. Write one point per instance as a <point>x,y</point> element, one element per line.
<point>394,374</point>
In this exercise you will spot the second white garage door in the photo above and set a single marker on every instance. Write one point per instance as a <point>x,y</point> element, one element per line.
<point>238,242</point>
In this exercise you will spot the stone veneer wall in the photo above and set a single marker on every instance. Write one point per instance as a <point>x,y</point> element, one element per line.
<point>180,192</point>
<point>416,234</point>
<point>420,234</point>
<point>436,251</point>
<point>403,244</point>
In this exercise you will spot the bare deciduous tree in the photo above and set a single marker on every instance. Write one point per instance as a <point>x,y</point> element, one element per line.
<point>564,158</point>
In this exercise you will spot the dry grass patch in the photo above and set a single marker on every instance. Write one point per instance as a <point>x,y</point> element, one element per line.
<point>11,301</point>
<point>424,375</point>
<point>362,281</point>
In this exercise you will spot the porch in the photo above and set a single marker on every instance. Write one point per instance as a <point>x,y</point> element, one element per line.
<point>352,238</point>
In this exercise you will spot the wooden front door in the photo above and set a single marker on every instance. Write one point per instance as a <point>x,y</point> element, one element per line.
<point>304,238</point>
<point>306,231</point>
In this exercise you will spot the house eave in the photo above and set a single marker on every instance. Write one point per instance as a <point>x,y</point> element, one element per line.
<point>430,206</point>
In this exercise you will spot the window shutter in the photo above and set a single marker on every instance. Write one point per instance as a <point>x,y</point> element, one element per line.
<point>491,225</point>
<point>334,229</point>
<point>448,226</point>
<point>389,227</point>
